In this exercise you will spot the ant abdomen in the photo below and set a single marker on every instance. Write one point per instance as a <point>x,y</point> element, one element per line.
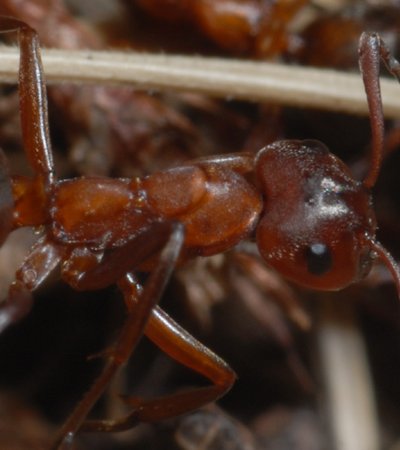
<point>318,221</point>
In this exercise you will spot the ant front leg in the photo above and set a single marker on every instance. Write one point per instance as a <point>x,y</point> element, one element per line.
<point>184,348</point>
<point>133,328</point>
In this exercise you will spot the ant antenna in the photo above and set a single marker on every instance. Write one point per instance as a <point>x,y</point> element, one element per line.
<point>369,53</point>
<point>371,49</point>
<point>388,260</point>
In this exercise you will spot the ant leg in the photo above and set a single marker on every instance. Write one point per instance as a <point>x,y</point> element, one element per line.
<point>86,270</point>
<point>42,259</point>
<point>371,50</point>
<point>33,101</point>
<point>184,348</point>
<point>132,330</point>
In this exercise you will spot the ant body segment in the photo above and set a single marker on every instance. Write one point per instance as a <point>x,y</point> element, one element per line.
<point>311,220</point>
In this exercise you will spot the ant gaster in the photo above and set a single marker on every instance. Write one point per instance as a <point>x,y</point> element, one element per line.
<point>312,222</point>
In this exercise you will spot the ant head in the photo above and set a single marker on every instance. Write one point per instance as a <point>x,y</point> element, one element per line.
<point>318,226</point>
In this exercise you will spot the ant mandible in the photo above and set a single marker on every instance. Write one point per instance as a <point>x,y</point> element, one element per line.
<point>311,220</point>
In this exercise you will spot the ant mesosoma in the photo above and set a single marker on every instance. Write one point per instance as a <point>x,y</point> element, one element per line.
<point>311,220</point>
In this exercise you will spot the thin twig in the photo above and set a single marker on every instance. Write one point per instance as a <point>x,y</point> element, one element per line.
<point>229,78</point>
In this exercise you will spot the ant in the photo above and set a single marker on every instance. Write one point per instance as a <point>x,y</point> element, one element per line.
<point>311,220</point>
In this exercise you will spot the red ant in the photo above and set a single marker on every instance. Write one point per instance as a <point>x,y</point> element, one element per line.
<point>311,220</point>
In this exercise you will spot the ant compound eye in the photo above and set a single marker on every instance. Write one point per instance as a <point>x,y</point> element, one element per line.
<point>318,258</point>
